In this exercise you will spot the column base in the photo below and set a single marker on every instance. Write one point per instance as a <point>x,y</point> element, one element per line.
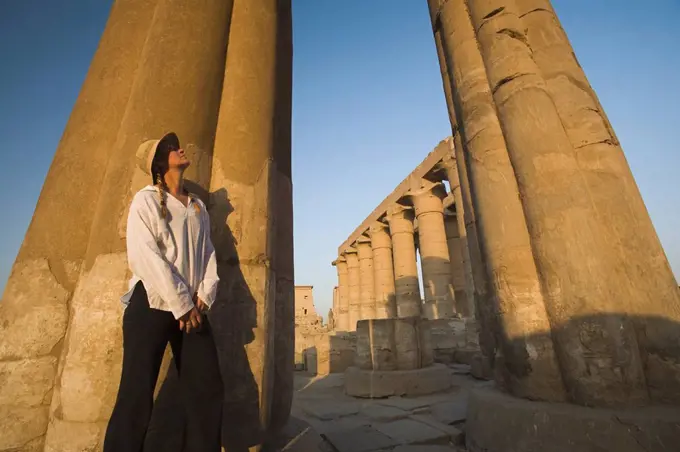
<point>385,383</point>
<point>498,422</point>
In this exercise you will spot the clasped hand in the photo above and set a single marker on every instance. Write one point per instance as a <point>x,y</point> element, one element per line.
<point>193,320</point>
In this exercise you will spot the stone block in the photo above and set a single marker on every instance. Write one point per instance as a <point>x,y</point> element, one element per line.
<point>498,422</point>
<point>27,382</point>
<point>311,360</point>
<point>393,344</point>
<point>460,369</point>
<point>423,448</point>
<point>414,405</point>
<point>409,431</point>
<point>382,413</point>
<point>335,353</point>
<point>465,355</point>
<point>375,384</point>
<point>452,412</point>
<point>22,425</point>
<point>329,411</point>
<point>480,368</point>
<point>362,439</point>
<point>455,435</point>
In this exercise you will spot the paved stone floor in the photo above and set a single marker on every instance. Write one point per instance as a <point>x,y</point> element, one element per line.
<point>328,420</point>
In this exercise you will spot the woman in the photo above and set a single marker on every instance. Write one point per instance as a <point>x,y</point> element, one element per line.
<point>174,283</point>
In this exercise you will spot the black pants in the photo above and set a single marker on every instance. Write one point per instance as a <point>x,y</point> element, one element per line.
<point>146,333</point>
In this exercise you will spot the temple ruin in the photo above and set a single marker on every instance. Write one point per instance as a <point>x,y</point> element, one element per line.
<point>541,269</point>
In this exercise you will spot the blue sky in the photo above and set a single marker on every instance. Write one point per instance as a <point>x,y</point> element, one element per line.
<point>368,106</point>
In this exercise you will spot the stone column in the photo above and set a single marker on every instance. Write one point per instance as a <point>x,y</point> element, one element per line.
<point>251,164</point>
<point>284,263</point>
<point>434,252</point>
<point>529,365</point>
<point>366,278</point>
<point>186,102</point>
<point>456,244</point>
<point>407,290</point>
<point>333,311</point>
<point>342,315</point>
<point>34,309</point>
<point>614,193</point>
<point>353,287</point>
<point>385,299</point>
<point>450,165</point>
<point>553,191</point>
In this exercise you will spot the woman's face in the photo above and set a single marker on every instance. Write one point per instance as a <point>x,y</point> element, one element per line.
<point>177,159</point>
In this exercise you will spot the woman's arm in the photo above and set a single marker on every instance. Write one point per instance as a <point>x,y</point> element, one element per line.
<point>147,262</point>
<point>207,290</point>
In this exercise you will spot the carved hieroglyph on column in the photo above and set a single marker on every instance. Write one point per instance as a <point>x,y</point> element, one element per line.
<point>353,287</point>
<point>187,103</point>
<point>407,289</point>
<point>381,242</point>
<point>366,278</point>
<point>434,252</point>
<point>251,164</point>
<point>34,309</point>
<point>342,315</point>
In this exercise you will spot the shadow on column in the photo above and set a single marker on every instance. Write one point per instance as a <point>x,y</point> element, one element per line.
<point>607,407</point>
<point>232,317</point>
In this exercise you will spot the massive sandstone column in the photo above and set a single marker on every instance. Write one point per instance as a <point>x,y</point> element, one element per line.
<point>366,278</point>
<point>284,330</point>
<point>407,289</point>
<point>607,289</point>
<point>529,367</point>
<point>353,287</point>
<point>434,252</point>
<point>554,192</point>
<point>251,165</point>
<point>342,315</point>
<point>385,299</point>
<point>456,244</point>
<point>186,102</point>
<point>450,166</point>
<point>34,310</point>
<point>652,286</point>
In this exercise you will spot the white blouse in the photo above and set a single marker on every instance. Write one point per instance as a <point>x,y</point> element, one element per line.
<point>173,256</point>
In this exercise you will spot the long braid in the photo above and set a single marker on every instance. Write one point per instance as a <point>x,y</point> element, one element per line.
<point>162,189</point>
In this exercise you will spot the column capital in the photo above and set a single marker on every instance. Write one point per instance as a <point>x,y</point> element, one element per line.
<point>350,250</point>
<point>364,248</point>
<point>428,198</point>
<point>449,204</point>
<point>400,219</point>
<point>380,235</point>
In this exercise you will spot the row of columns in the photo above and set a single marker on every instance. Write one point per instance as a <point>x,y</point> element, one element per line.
<point>378,274</point>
